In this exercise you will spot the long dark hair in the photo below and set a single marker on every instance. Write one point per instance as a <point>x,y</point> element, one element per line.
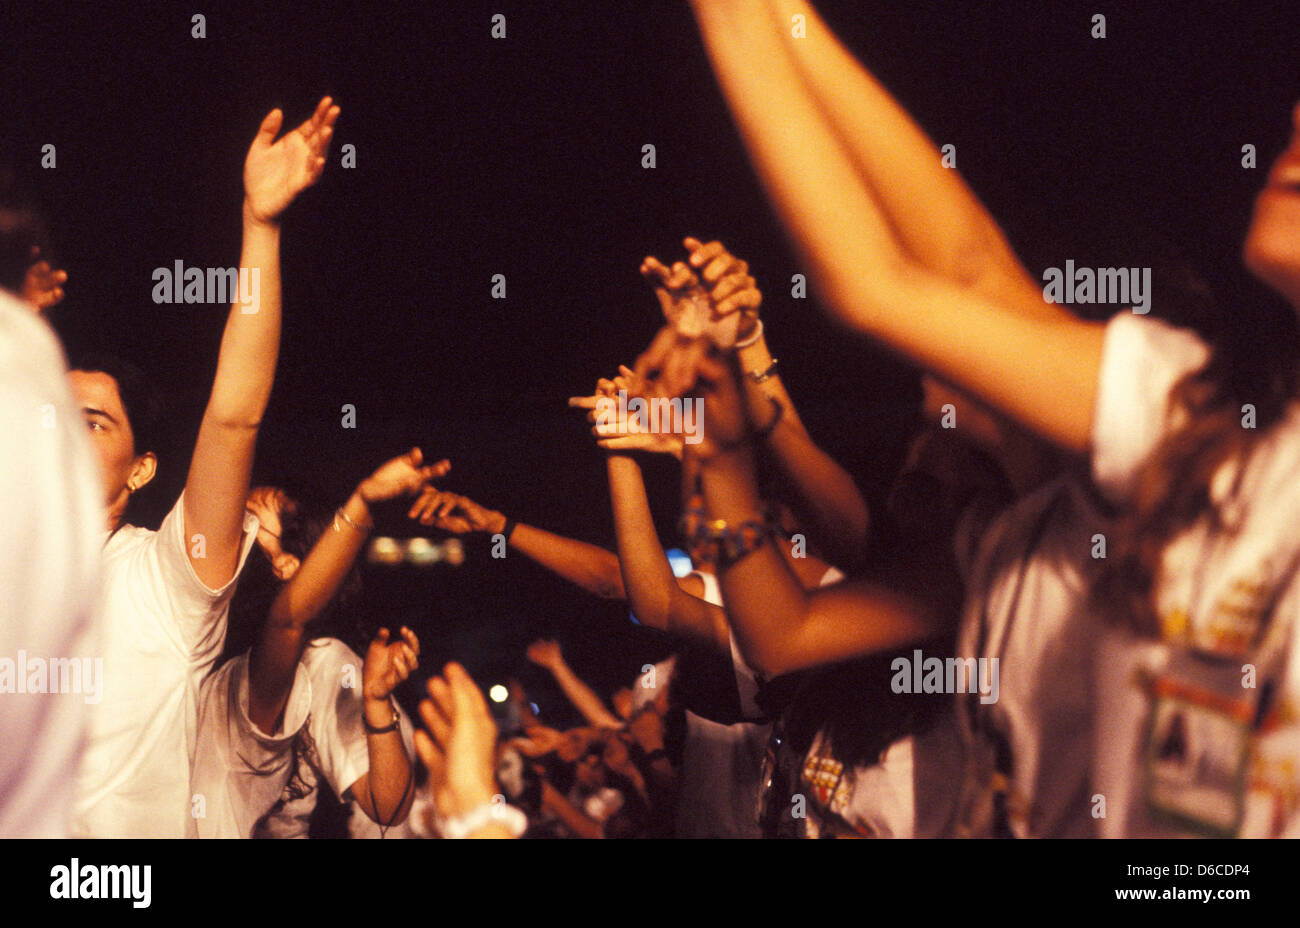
<point>1173,486</point>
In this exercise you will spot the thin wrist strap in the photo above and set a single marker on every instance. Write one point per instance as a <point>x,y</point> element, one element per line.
<point>753,339</point>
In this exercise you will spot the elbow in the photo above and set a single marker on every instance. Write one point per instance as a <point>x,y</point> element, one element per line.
<point>769,665</point>
<point>610,588</point>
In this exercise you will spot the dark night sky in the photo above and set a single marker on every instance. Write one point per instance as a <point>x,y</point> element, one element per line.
<point>522,157</point>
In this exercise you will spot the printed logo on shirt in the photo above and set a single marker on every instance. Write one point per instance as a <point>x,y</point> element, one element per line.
<point>53,675</point>
<point>919,674</point>
<point>106,881</point>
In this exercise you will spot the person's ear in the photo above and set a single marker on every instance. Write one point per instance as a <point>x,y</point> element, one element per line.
<point>142,471</point>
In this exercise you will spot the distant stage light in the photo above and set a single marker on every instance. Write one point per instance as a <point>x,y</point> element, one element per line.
<point>386,551</point>
<point>498,693</point>
<point>421,552</point>
<point>418,551</point>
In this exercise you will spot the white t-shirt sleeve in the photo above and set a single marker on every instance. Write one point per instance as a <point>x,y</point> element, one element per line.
<point>50,594</point>
<point>1141,360</point>
<point>197,609</point>
<point>240,770</point>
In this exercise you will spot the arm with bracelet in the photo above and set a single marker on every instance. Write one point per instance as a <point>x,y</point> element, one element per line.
<point>387,788</point>
<point>309,587</point>
<point>588,566</point>
<point>834,504</point>
<point>779,626</point>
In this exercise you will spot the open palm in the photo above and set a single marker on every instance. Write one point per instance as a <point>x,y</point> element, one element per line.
<point>277,171</point>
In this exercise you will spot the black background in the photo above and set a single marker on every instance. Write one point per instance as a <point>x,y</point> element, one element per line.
<point>522,157</point>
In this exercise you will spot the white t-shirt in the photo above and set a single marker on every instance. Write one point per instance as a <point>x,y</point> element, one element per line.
<point>163,630</point>
<point>51,665</point>
<point>241,771</point>
<point>1027,606</point>
<point>1170,759</point>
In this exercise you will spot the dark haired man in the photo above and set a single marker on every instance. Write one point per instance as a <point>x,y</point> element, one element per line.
<point>166,593</point>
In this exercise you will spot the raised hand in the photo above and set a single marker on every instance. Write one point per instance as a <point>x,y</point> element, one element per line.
<point>277,171</point>
<point>727,281</point>
<point>458,744</point>
<point>669,365</point>
<point>545,653</point>
<point>388,663</point>
<point>626,435</point>
<point>683,301</point>
<point>403,475</point>
<point>454,513</point>
<point>42,285</point>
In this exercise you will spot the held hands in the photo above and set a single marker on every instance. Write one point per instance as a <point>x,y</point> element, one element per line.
<point>43,286</point>
<point>724,307</point>
<point>403,475</point>
<point>454,513</point>
<point>388,663</point>
<point>459,746</point>
<point>277,171</point>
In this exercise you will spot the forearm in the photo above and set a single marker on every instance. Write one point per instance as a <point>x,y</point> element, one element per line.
<point>778,626</point>
<point>274,658</point>
<point>272,667</point>
<point>251,341</point>
<point>935,215</point>
<point>653,591</point>
<point>317,581</point>
<point>583,697</point>
<point>867,279</point>
<point>385,792</point>
<point>588,566</point>
<point>578,823</point>
<point>217,483</point>
<point>760,619</point>
<point>647,575</point>
<point>832,498</point>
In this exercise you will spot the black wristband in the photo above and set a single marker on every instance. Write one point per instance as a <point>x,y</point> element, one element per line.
<point>508,529</point>
<point>391,726</point>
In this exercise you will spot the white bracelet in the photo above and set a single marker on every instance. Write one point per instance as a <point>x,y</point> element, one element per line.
<point>753,339</point>
<point>489,813</point>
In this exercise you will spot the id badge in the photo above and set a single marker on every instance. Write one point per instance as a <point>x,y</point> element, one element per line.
<point>1197,746</point>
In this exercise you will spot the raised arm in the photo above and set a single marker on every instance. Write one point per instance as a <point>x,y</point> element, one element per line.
<point>588,566</point>
<point>937,218</point>
<point>547,654</point>
<point>458,747</point>
<point>829,495</point>
<point>780,627</point>
<point>654,593</point>
<point>387,788</point>
<point>275,653</point>
<point>1040,369</point>
<point>274,173</point>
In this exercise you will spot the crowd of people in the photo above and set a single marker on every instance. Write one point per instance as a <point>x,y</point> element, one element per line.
<point>1073,616</point>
